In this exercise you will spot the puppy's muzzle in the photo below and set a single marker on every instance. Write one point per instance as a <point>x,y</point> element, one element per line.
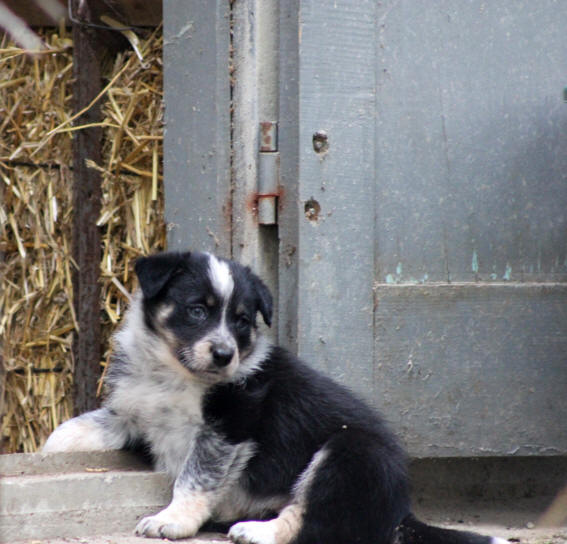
<point>222,355</point>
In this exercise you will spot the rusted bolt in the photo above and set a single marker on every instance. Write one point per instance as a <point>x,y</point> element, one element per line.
<point>312,210</point>
<point>320,142</point>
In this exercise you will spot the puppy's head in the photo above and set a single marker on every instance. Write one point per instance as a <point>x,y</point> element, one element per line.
<point>204,308</point>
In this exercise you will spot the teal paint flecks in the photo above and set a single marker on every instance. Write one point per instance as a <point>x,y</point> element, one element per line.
<point>397,278</point>
<point>474,263</point>
<point>393,279</point>
<point>508,273</point>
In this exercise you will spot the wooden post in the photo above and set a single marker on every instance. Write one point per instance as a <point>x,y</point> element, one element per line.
<point>86,206</point>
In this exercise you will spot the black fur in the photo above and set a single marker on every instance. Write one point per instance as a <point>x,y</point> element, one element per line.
<point>155,271</point>
<point>290,412</point>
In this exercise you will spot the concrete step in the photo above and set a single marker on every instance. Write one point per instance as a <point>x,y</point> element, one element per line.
<point>97,498</point>
<point>45,496</point>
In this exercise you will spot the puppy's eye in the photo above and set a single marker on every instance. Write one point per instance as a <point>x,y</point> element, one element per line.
<point>243,321</point>
<point>197,312</point>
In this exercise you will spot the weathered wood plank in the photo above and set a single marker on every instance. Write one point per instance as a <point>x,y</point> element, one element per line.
<point>336,189</point>
<point>86,205</point>
<point>197,139</point>
<point>129,12</point>
<point>471,170</point>
<point>475,370</point>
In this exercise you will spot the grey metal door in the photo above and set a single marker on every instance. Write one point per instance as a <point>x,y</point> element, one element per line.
<point>421,249</point>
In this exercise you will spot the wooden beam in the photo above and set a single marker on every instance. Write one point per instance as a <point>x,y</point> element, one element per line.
<point>133,12</point>
<point>87,194</point>
<point>129,12</point>
<point>29,11</point>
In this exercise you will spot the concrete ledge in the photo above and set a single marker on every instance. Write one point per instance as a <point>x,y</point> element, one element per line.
<point>19,464</point>
<point>76,494</point>
<point>98,497</point>
<point>71,492</point>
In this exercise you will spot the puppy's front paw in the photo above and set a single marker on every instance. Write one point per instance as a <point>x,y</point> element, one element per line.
<point>253,532</point>
<point>165,525</point>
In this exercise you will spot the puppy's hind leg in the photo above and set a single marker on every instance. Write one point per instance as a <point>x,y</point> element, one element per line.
<point>288,524</point>
<point>355,490</point>
<point>93,431</point>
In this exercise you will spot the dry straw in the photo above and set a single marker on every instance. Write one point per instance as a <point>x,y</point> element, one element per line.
<point>36,313</point>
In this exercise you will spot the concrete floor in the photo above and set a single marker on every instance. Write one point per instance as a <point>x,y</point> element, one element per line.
<point>513,521</point>
<point>503,497</point>
<point>497,497</point>
<point>516,536</point>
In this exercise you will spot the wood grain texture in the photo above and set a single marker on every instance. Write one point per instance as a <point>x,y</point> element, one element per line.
<point>87,351</point>
<point>475,370</point>
<point>197,144</point>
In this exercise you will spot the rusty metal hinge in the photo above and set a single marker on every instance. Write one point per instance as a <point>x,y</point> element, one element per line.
<point>268,173</point>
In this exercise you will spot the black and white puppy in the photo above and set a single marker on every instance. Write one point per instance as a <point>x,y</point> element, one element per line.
<point>248,433</point>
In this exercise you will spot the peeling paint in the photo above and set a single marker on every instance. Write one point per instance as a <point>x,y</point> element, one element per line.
<point>396,278</point>
<point>474,264</point>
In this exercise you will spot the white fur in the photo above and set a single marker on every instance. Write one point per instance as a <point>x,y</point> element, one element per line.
<point>496,540</point>
<point>81,433</point>
<point>181,519</point>
<point>280,530</point>
<point>253,532</point>
<point>253,362</point>
<point>161,399</point>
<point>221,278</point>
<point>305,480</point>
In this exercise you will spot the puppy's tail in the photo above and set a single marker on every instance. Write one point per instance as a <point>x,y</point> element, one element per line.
<point>413,531</point>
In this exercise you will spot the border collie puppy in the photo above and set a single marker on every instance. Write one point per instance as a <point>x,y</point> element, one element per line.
<point>248,433</point>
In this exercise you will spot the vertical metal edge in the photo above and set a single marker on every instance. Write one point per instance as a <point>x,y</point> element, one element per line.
<point>245,143</point>
<point>288,145</point>
<point>254,98</point>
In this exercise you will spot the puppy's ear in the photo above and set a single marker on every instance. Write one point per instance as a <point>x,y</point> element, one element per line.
<point>155,271</point>
<point>264,300</point>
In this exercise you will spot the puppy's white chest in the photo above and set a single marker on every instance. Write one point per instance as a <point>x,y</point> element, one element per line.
<point>167,418</point>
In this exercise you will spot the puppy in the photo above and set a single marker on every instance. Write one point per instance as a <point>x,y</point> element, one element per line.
<point>247,432</point>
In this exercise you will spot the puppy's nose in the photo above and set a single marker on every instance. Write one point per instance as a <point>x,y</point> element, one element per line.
<point>222,355</point>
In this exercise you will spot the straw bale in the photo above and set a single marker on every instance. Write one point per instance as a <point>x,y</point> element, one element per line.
<point>37,321</point>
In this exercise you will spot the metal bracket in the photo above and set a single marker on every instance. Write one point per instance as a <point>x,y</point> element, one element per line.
<point>268,173</point>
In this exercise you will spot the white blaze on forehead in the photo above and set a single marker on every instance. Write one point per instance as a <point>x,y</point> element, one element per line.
<point>221,278</point>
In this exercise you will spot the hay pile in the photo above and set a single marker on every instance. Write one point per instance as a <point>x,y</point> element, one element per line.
<point>36,312</point>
